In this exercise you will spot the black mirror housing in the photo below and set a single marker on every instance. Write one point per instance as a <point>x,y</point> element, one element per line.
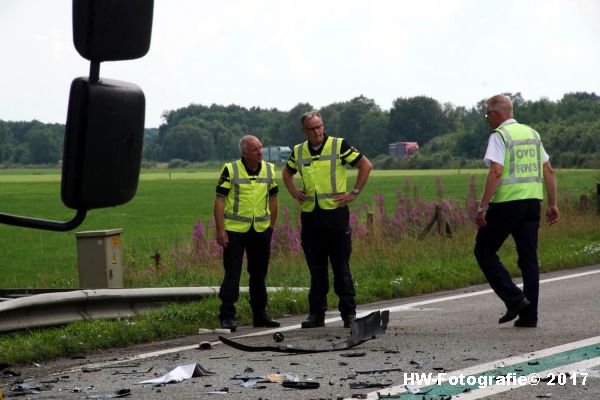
<point>104,135</point>
<point>112,30</point>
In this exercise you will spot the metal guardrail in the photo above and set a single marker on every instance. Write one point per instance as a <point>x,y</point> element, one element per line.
<point>63,307</point>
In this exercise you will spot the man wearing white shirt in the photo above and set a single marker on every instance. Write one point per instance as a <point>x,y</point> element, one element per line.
<point>510,205</point>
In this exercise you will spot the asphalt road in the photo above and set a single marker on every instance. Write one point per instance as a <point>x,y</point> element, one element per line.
<point>453,335</point>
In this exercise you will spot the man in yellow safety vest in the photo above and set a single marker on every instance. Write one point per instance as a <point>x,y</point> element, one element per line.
<point>326,234</point>
<point>245,212</point>
<point>510,205</point>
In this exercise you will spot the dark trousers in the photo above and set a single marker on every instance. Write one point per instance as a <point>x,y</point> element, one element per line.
<point>326,236</point>
<point>257,246</point>
<point>521,219</point>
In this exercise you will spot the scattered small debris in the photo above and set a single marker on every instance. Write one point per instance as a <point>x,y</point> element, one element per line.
<point>379,371</point>
<point>179,373</point>
<point>249,383</point>
<point>276,378</point>
<point>220,391</point>
<point>134,372</point>
<point>8,372</point>
<point>369,385</point>
<point>205,345</point>
<point>246,378</point>
<point>118,394</point>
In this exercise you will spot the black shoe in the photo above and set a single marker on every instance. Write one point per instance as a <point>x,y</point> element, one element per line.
<point>265,321</point>
<point>513,311</point>
<point>229,324</point>
<point>313,321</point>
<point>526,323</point>
<point>348,320</point>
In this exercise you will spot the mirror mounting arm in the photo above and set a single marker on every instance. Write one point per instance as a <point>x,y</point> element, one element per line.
<point>48,225</point>
<point>94,71</point>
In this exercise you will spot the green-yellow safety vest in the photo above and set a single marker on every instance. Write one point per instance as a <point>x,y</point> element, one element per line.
<point>522,174</point>
<point>323,175</point>
<point>247,202</point>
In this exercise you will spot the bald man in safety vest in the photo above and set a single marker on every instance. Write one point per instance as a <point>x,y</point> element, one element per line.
<point>510,205</point>
<point>245,212</point>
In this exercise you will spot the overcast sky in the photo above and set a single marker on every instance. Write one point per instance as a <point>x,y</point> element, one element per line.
<point>278,53</point>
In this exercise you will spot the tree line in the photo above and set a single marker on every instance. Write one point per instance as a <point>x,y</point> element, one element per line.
<point>449,136</point>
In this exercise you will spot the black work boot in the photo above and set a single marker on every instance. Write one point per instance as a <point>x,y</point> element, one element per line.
<point>264,321</point>
<point>229,324</point>
<point>313,321</point>
<point>348,319</point>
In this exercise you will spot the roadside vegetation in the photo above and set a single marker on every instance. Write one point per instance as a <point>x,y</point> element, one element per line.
<point>393,253</point>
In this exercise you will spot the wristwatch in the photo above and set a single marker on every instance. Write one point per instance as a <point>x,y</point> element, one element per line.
<point>355,191</point>
<point>481,210</point>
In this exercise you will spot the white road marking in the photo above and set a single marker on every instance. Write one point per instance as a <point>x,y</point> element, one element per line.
<point>477,369</point>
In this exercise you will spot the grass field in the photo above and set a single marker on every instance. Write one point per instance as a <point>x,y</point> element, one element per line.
<point>166,206</point>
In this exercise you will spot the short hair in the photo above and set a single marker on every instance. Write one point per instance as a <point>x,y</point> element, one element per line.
<point>500,103</point>
<point>309,114</point>
<point>244,142</point>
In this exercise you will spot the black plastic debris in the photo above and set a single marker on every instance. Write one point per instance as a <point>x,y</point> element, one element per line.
<point>247,377</point>
<point>22,389</point>
<point>361,329</point>
<point>354,354</point>
<point>132,372</point>
<point>379,371</point>
<point>205,345</point>
<point>369,385</point>
<point>302,385</point>
<point>118,394</point>
<point>278,337</point>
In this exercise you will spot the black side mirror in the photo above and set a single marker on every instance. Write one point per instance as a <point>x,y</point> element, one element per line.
<point>105,119</point>
<point>112,30</point>
<point>103,143</point>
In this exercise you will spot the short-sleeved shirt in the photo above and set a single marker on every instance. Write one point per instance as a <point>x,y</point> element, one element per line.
<point>496,148</point>
<point>347,151</point>
<point>224,184</point>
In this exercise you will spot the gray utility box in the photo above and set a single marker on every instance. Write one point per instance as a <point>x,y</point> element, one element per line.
<point>99,259</point>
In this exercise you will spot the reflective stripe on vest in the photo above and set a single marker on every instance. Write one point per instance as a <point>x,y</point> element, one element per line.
<point>329,153</point>
<point>240,221</point>
<point>520,180</point>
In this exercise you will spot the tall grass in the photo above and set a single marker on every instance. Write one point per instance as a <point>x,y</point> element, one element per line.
<point>172,217</point>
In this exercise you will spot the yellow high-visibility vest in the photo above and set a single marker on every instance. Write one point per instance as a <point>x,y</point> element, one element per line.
<point>323,175</point>
<point>247,202</point>
<point>522,174</point>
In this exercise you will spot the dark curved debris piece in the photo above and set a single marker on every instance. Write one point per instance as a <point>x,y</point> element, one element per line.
<point>362,329</point>
<point>301,385</point>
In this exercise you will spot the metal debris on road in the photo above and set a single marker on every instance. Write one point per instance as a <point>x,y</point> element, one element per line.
<point>361,329</point>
